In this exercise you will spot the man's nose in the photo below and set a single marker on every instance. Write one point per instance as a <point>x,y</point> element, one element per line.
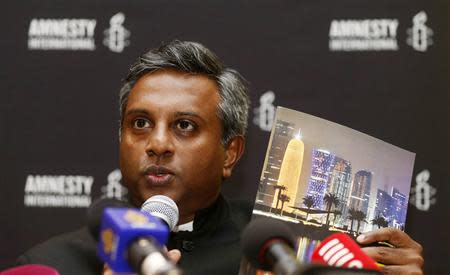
<point>160,142</point>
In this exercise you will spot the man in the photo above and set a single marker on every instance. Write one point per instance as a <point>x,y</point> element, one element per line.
<point>183,122</point>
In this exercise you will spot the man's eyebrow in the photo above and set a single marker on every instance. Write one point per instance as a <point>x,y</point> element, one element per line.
<point>145,112</point>
<point>136,111</point>
<point>177,114</point>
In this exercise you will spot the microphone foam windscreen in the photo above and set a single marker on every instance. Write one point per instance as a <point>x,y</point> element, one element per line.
<point>95,212</point>
<point>162,207</point>
<point>260,231</point>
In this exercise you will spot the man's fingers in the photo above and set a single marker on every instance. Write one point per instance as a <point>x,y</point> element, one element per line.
<point>174,255</point>
<point>393,236</point>
<point>394,256</point>
<point>386,255</point>
<point>400,270</point>
<point>107,270</point>
<point>404,258</point>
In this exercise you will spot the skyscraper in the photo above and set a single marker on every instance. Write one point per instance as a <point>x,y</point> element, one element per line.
<point>340,180</point>
<point>321,167</point>
<point>291,167</point>
<point>401,205</point>
<point>385,206</point>
<point>283,133</point>
<point>360,194</point>
<point>339,184</point>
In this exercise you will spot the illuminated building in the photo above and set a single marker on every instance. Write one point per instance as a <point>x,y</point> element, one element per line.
<point>392,207</point>
<point>329,174</point>
<point>283,133</point>
<point>401,206</point>
<point>322,164</point>
<point>340,180</point>
<point>291,168</point>
<point>385,206</point>
<point>339,184</point>
<point>359,197</point>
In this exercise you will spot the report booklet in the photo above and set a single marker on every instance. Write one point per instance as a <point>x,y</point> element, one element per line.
<point>321,178</point>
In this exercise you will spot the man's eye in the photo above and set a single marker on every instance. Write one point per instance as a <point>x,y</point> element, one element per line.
<point>141,123</point>
<point>185,125</point>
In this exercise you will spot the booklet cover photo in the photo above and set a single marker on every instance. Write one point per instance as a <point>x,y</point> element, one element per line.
<point>320,178</point>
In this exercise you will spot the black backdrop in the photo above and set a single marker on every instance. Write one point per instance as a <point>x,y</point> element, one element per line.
<point>59,108</point>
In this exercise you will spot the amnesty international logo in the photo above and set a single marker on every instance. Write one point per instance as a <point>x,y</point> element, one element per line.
<point>116,37</point>
<point>265,113</point>
<point>114,188</point>
<point>75,34</point>
<point>350,35</point>
<point>58,191</point>
<point>423,194</point>
<point>419,36</point>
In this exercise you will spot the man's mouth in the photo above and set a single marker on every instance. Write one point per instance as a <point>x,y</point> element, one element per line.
<point>158,175</point>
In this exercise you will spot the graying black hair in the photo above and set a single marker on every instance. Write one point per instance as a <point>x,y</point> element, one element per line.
<point>194,58</point>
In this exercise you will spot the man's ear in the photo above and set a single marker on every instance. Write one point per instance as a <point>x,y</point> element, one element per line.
<point>233,152</point>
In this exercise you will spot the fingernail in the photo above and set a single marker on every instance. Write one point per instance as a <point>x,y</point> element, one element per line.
<point>361,238</point>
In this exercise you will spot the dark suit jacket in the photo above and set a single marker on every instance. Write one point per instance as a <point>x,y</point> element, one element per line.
<point>70,253</point>
<point>212,248</point>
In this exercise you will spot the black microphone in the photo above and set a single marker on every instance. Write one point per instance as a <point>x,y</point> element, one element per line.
<point>268,244</point>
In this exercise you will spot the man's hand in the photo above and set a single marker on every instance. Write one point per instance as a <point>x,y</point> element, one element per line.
<point>174,255</point>
<point>405,257</point>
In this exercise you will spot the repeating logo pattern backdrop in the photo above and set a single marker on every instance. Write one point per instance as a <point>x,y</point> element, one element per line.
<point>379,67</point>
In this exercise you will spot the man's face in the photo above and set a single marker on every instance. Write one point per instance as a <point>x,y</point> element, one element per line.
<point>171,141</point>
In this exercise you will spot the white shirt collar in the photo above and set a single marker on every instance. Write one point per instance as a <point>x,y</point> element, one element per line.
<point>184,227</point>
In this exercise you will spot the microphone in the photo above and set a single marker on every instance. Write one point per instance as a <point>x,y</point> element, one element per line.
<point>95,213</point>
<point>341,251</point>
<point>163,208</point>
<point>268,244</point>
<point>131,240</point>
<point>31,269</point>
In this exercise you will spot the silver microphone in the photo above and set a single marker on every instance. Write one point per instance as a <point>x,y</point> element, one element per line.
<point>163,208</point>
<point>156,263</point>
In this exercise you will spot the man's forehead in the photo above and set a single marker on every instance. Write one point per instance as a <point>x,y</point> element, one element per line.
<point>176,91</point>
<point>169,79</point>
<point>182,78</point>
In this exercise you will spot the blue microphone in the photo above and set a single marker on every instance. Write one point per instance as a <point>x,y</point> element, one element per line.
<point>131,240</point>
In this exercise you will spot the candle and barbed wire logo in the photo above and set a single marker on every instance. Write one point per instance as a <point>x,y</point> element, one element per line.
<point>419,35</point>
<point>423,193</point>
<point>265,113</point>
<point>116,37</point>
<point>114,188</point>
